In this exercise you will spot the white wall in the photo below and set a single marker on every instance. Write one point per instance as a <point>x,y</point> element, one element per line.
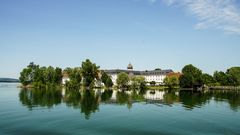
<point>148,78</point>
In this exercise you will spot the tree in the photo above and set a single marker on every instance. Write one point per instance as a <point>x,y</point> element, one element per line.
<point>122,80</point>
<point>40,76</point>
<point>49,75</point>
<point>89,72</point>
<point>191,76</point>
<point>138,82</point>
<point>28,74</point>
<point>25,76</point>
<point>207,79</point>
<point>152,83</point>
<point>58,75</point>
<point>75,78</point>
<point>171,81</point>
<point>221,78</point>
<point>234,76</point>
<point>106,79</point>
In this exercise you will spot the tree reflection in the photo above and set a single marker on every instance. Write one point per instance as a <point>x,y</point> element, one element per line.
<point>85,100</point>
<point>170,97</point>
<point>122,97</point>
<point>137,96</point>
<point>191,100</point>
<point>106,95</point>
<point>40,97</point>
<point>232,97</point>
<point>88,101</point>
<point>73,98</point>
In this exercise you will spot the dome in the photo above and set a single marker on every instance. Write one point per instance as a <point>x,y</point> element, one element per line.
<point>129,66</point>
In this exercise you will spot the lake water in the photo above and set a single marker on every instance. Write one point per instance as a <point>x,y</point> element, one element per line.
<point>106,112</point>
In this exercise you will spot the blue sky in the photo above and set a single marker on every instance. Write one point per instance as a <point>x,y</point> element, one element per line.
<point>148,33</point>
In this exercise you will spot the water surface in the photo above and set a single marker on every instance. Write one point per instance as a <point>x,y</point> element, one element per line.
<point>102,112</point>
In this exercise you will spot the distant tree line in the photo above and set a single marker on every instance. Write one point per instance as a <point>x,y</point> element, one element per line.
<point>193,76</point>
<point>86,75</point>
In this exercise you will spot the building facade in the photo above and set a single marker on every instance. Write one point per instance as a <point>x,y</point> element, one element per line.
<point>156,75</point>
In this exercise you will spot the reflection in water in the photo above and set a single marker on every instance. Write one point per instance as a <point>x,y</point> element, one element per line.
<point>88,100</point>
<point>232,97</point>
<point>85,100</point>
<point>44,98</point>
<point>192,100</point>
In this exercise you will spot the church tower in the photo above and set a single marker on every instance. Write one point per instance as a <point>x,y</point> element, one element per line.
<point>130,67</point>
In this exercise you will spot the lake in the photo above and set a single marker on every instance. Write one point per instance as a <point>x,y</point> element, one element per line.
<point>106,112</point>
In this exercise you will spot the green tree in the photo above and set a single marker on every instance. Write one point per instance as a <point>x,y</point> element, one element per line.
<point>152,83</point>
<point>75,78</point>
<point>106,79</point>
<point>171,81</point>
<point>138,82</point>
<point>58,75</point>
<point>49,75</point>
<point>191,76</point>
<point>27,75</point>
<point>89,73</point>
<point>122,80</point>
<point>221,78</point>
<point>37,76</point>
<point>234,76</point>
<point>207,79</point>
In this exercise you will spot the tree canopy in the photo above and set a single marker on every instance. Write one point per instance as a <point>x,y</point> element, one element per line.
<point>191,76</point>
<point>171,81</point>
<point>138,82</point>
<point>123,80</point>
<point>106,79</point>
<point>90,72</point>
<point>39,76</point>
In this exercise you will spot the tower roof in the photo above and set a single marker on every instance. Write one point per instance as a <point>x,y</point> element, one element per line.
<point>129,66</point>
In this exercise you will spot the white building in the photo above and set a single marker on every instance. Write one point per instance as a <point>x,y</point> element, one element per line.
<point>157,75</point>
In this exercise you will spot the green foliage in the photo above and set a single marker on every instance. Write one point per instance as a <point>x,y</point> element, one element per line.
<point>191,76</point>
<point>234,76</point>
<point>28,74</point>
<point>58,75</point>
<point>89,72</point>
<point>138,83</point>
<point>221,78</point>
<point>25,77</point>
<point>75,78</point>
<point>106,79</point>
<point>208,79</point>
<point>40,76</point>
<point>171,81</point>
<point>152,83</point>
<point>230,78</point>
<point>123,80</point>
